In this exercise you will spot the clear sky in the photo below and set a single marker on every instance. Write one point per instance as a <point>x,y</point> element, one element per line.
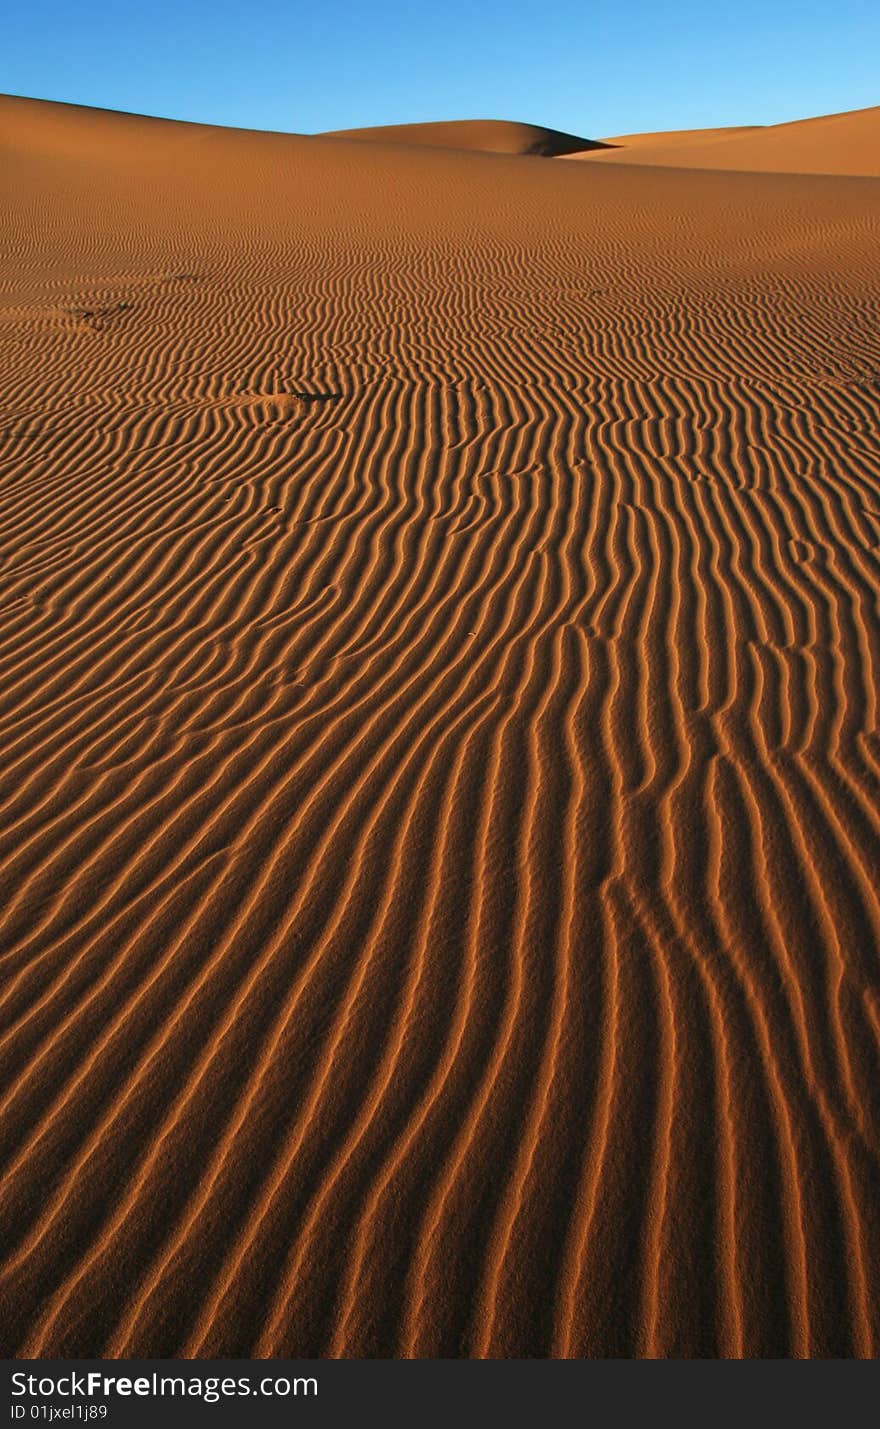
<point>593,69</point>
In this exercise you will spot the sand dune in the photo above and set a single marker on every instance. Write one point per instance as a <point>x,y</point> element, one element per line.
<point>440,766</point>
<point>493,136</point>
<point>847,144</point>
<point>679,136</point>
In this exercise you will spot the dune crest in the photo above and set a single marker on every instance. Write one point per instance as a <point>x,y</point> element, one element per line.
<point>439,751</point>
<point>844,144</point>
<point>495,136</point>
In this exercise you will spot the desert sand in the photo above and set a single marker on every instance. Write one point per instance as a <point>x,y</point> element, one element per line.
<point>832,144</point>
<point>438,725</point>
<point>491,136</point>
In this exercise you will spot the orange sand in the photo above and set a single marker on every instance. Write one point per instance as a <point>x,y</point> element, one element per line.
<point>440,767</point>
<point>834,144</point>
<point>493,136</point>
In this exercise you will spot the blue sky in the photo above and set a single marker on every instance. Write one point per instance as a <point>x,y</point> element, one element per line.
<point>329,64</point>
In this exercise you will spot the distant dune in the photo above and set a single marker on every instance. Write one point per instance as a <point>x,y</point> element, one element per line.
<point>679,136</point>
<point>439,744</point>
<point>496,136</point>
<point>845,144</point>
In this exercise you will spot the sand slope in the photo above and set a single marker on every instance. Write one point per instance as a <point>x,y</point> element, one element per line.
<point>494,136</point>
<point>680,136</point>
<point>832,144</point>
<point>439,758</point>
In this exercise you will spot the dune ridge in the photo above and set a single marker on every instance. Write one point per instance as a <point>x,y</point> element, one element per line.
<point>845,144</point>
<point>494,136</point>
<point>439,783</point>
